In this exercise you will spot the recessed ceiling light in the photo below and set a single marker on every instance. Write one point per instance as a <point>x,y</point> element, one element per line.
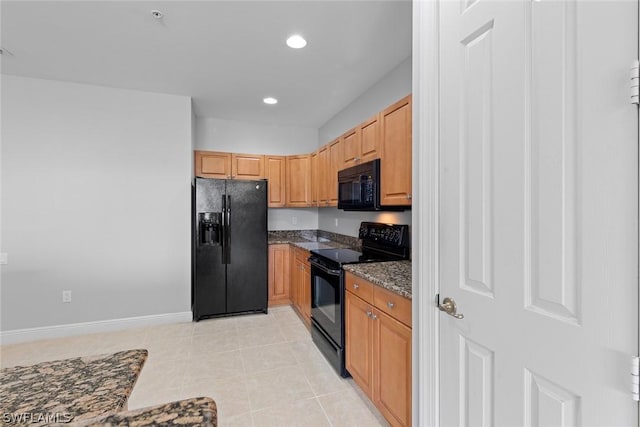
<point>157,14</point>
<point>296,42</point>
<point>270,100</point>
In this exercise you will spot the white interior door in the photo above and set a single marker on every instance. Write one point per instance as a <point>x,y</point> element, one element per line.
<point>538,212</point>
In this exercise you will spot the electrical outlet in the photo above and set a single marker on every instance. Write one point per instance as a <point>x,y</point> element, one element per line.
<point>4,258</point>
<point>336,222</point>
<point>66,296</point>
<point>294,220</point>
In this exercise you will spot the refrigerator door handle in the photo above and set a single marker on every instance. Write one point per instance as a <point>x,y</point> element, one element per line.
<point>227,246</point>
<point>223,229</point>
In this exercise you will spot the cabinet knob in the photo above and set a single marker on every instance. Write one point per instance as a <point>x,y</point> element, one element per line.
<point>390,304</point>
<point>356,286</point>
<point>409,196</point>
<point>369,314</point>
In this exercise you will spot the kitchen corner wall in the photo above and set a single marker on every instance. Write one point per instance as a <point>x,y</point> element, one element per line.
<point>95,199</point>
<point>253,138</point>
<point>394,86</point>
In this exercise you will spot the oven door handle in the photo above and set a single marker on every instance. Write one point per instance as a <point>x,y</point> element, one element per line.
<point>325,269</point>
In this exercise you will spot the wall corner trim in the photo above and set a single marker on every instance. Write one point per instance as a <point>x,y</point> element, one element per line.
<point>58,331</point>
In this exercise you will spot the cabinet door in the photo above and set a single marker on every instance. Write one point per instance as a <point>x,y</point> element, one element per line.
<point>279,270</point>
<point>298,181</point>
<point>359,342</point>
<point>336,157</point>
<point>211,164</point>
<point>247,166</point>
<point>351,148</point>
<point>323,176</point>
<point>314,178</point>
<point>395,164</point>
<point>392,373</point>
<point>276,173</point>
<point>369,140</point>
<point>306,292</point>
<point>294,276</point>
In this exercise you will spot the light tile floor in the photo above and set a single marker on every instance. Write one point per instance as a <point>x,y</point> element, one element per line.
<point>262,370</point>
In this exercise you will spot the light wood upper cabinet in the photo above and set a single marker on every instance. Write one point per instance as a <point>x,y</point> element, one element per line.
<point>370,140</point>
<point>336,163</point>
<point>314,178</point>
<point>323,176</point>
<point>247,166</point>
<point>362,144</point>
<point>351,142</point>
<point>279,278</point>
<point>395,163</point>
<point>298,181</point>
<point>212,164</point>
<point>276,174</point>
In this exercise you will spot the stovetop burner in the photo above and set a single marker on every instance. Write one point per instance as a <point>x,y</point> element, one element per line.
<point>350,256</point>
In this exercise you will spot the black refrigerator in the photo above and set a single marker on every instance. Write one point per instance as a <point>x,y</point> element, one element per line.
<point>229,252</point>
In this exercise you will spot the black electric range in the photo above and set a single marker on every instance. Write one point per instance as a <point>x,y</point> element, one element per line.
<point>380,242</point>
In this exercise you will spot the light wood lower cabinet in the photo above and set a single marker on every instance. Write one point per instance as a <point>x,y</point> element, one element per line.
<point>279,279</point>
<point>378,347</point>
<point>301,284</point>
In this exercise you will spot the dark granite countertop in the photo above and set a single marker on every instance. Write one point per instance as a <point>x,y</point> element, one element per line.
<point>393,275</point>
<point>311,239</point>
<point>71,389</point>
<point>200,411</point>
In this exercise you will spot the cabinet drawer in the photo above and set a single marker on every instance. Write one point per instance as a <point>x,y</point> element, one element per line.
<point>359,287</point>
<point>393,304</point>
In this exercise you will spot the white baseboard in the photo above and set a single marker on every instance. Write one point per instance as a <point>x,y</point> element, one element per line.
<point>58,331</point>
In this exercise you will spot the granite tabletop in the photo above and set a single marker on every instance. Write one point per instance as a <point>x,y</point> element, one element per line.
<point>70,389</point>
<point>392,275</point>
<point>199,411</point>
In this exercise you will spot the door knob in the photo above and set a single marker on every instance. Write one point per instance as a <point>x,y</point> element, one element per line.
<point>449,306</point>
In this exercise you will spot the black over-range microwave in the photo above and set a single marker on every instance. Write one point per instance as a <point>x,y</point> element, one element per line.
<point>359,188</point>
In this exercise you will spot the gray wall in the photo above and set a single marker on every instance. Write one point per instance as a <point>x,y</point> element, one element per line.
<point>96,200</point>
<point>394,86</point>
<point>253,138</point>
<point>391,88</point>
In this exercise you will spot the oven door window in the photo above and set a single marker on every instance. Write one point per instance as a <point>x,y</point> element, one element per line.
<point>326,300</point>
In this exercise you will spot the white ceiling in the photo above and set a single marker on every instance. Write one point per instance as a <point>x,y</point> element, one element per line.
<point>227,55</point>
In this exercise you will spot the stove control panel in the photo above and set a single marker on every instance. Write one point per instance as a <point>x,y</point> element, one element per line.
<point>387,234</point>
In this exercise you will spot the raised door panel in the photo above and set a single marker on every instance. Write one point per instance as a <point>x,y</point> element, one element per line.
<point>276,174</point>
<point>314,178</point>
<point>392,372</point>
<point>298,181</point>
<point>247,166</point>
<point>306,291</point>
<point>211,164</point>
<point>335,164</point>
<point>323,176</point>
<point>395,185</point>
<point>370,140</point>
<point>293,277</point>
<point>279,275</point>
<point>351,148</point>
<point>359,342</point>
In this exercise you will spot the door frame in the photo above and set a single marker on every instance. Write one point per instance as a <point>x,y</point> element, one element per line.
<point>425,213</point>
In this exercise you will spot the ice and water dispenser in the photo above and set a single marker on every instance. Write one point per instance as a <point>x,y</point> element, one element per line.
<point>210,228</point>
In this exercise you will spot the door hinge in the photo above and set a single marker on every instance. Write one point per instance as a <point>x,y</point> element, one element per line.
<point>635,378</point>
<point>635,82</point>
